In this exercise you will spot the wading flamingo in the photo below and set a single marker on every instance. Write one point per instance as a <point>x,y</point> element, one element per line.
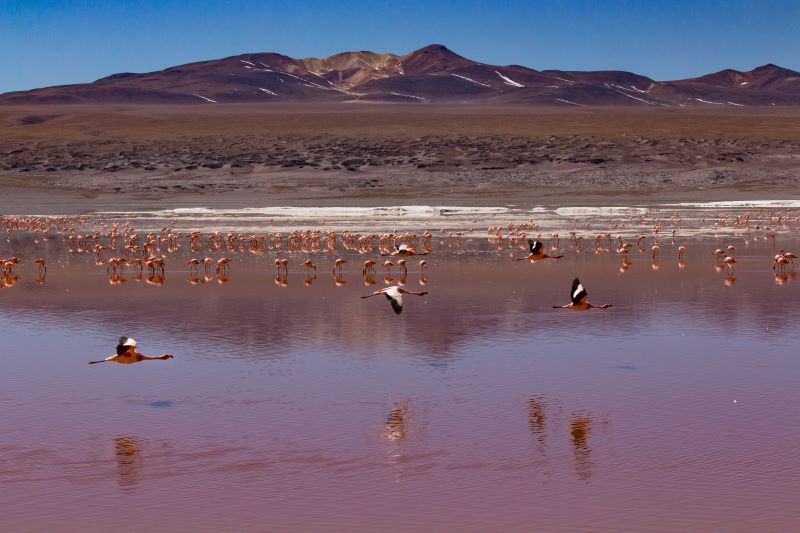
<point>337,266</point>
<point>369,268</point>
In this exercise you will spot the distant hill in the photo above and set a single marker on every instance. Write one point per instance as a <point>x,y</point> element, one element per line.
<point>433,74</point>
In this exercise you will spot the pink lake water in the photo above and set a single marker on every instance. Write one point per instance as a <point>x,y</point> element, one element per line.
<point>479,408</point>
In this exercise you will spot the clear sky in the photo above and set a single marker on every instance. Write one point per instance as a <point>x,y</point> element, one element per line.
<point>56,42</point>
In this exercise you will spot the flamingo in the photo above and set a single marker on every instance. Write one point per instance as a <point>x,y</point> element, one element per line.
<point>730,261</point>
<point>580,299</point>
<point>395,296</point>
<point>337,266</point>
<point>194,264</point>
<point>780,261</point>
<point>9,264</point>
<point>403,269</point>
<point>784,258</point>
<point>537,252</point>
<point>127,354</point>
<point>369,267</point>
<point>309,264</point>
<point>283,266</point>
<point>405,250</point>
<point>681,251</point>
<point>42,265</point>
<point>423,265</point>
<point>223,265</point>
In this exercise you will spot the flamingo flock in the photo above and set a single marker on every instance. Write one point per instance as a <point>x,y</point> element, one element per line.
<point>148,253</point>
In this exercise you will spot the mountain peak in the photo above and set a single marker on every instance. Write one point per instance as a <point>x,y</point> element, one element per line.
<point>772,68</point>
<point>433,58</point>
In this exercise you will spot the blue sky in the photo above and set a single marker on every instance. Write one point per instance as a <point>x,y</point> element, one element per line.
<point>57,42</point>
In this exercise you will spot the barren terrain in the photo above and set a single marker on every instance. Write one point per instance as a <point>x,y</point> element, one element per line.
<point>316,154</point>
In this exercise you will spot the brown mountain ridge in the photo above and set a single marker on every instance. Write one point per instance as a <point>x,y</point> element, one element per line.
<point>433,74</point>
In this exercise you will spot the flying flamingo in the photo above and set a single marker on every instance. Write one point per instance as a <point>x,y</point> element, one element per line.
<point>580,299</point>
<point>127,354</point>
<point>537,252</point>
<point>405,250</point>
<point>395,296</point>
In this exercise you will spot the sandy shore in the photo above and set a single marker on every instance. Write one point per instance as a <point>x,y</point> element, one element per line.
<point>60,159</point>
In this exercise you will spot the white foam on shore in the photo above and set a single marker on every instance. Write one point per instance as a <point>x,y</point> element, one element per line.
<point>730,204</point>
<point>309,213</point>
<point>600,211</point>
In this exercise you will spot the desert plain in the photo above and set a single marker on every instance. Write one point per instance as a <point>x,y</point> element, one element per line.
<point>80,158</point>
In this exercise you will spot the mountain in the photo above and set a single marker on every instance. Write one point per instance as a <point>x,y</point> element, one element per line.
<point>433,74</point>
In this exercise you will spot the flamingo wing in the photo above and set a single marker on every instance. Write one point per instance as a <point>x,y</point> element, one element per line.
<point>396,301</point>
<point>578,294</point>
<point>535,246</point>
<point>125,344</point>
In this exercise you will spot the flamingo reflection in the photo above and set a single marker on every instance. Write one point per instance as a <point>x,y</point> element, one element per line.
<point>537,421</point>
<point>396,426</point>
<point>126,451</point>
<point>579,427</point>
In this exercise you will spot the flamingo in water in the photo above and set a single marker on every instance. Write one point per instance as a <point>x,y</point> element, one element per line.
<point>127,354</point>
<point>580,299</point>
<point>395,296</point>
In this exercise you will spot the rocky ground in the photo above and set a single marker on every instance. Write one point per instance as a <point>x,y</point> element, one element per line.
<point>388,151</point>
